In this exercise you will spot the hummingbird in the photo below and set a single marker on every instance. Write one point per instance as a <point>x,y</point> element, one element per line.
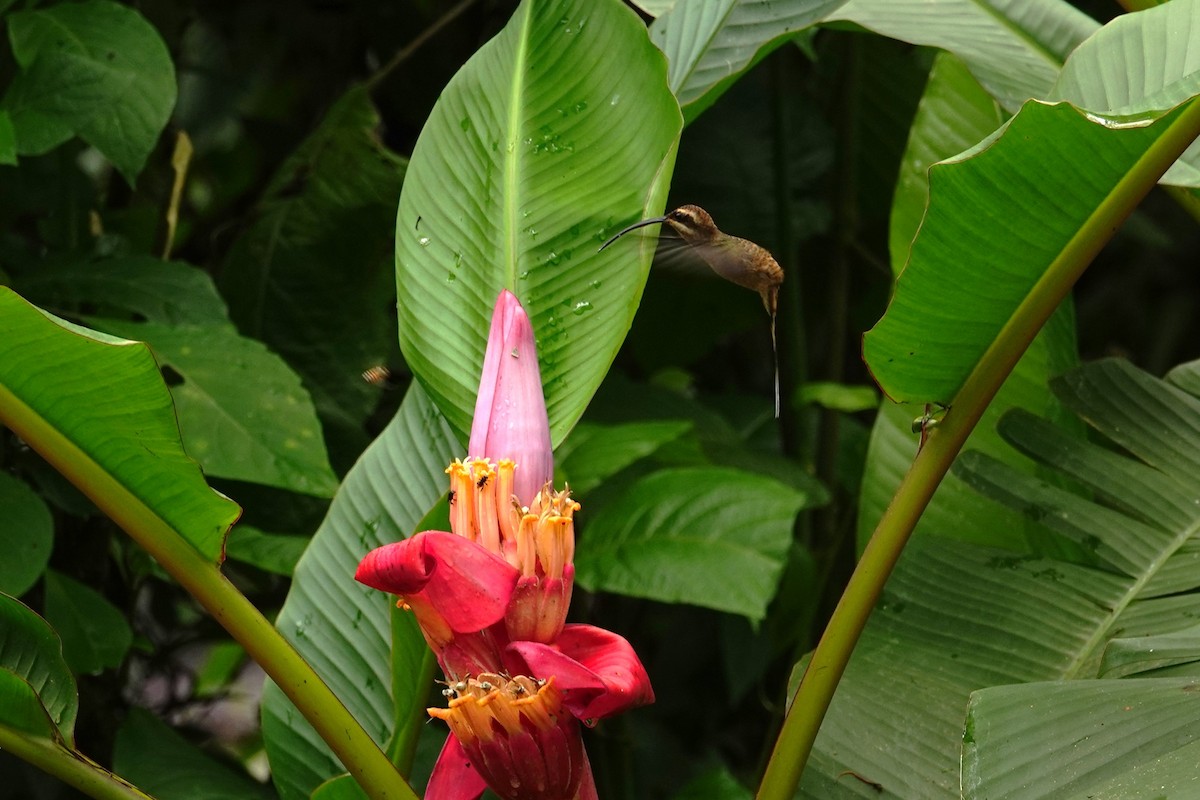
<point>736,260</point>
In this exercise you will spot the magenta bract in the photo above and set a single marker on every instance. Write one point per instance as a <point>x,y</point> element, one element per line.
<point>510,410</point>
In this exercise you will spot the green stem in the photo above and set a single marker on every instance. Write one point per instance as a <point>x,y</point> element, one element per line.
<point>204,581</point>
<point>360,755</point>
<point>829,660</point>
<point>403,748</point>
<point>69,766</point>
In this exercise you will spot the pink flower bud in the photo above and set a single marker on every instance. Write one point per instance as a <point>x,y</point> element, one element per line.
<point>510,411</point>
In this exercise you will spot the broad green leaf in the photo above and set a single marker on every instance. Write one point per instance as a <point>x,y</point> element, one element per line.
<point>710,43</point>
<point>1019,201</point>
<point>154,756</point>
<point>311,276</point>
<point>678,534</point>
<point>1137,66</point>
<point>36,132</point>
<point>95,635</point>
<point>1015,48</point>
<point>26,536</point>
<point>273,552</point>
<point>242,411</point>
<point>96,69</point>
<point>343,628</point>
<point>1083,739</point>
<point>1123,657</point>
<point>168,292</point>
<point>1140,62</point>
<point>716,784</point>
<point>712,440</point>
<point>956,618</point>
<point>531,159</point>
<point>219,669</point>
<point>23,711</point>
<point>839,396</point>
<point>954,114</point>
<point>31,660</point>
<point>593,453</point>
<point>96,407</point>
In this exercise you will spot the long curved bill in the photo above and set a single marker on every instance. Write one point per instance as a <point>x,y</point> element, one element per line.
<point>642,224</point>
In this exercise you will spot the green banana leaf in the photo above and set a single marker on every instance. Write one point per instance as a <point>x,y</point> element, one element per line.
<point>97,409</point>
<point>1138,518</point>
<point>1140,61</point>
<point>954,114</point>
<point>959,618</point>
<point>709,44</point>
<point>956,617</point>
<point>533,156</point>
<point>1084,740</point>
<point>1014,49</point>
<point>1045,191</point>
<point>242,410</point>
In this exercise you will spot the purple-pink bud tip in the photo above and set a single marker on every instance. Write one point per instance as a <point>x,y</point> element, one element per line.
<point>510,411</point>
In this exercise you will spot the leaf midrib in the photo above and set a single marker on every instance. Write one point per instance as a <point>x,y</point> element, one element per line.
<point>1020,32</point>
<point>1130,595</point>
<point>512,157</point>
<point>702,49</point>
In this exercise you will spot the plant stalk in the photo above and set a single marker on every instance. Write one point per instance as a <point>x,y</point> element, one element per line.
<point>403,748</point>
<point>829,660</point>
<point>204,581</point>
<point>69,766</point>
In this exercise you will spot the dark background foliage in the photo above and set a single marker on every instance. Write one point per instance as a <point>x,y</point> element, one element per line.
<point>289,207</point>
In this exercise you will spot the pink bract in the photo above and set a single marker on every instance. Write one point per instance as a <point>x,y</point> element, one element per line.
<point>510,419</point>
